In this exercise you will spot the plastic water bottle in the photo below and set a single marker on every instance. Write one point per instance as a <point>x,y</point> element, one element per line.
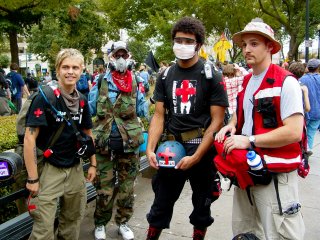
<point>254,160</point>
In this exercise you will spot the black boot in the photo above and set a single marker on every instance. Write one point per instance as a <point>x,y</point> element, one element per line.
<point>153,233</point>
<point>199,233</point>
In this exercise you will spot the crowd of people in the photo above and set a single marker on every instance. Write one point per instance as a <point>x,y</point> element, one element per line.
<point>267,109</point>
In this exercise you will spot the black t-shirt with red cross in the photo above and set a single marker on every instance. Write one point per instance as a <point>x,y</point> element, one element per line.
<point>189,95</point>
<point>64,149</point>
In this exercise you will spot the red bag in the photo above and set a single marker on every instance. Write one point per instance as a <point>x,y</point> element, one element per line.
<point>233,165</point>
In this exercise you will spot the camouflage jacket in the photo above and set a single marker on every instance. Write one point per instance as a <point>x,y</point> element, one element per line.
<point>123,112</point>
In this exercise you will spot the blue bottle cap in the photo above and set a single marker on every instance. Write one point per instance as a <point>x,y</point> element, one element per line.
<point>251,155</point>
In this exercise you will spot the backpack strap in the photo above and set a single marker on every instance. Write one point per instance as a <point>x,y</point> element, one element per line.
<point>101,76</point>
<point>276,186</point>
<point>48,95</point>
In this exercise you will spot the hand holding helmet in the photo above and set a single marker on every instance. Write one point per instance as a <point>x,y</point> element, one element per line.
<point>170,153</point>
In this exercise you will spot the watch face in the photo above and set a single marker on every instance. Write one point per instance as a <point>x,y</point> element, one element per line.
<point>252,139</point>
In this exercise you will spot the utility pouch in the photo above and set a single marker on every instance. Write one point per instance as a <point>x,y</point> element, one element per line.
<point>116,142</point>
<point>261,177</point>
<point>85,146</point>
<point>266,108</point>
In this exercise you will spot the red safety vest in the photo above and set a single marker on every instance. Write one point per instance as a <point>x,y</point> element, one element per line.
<point>282,159</point>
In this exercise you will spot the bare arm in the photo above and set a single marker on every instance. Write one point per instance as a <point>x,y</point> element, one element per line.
<point>217,116</point>
<point>306,101</point>
<point>154,133</point>
<point>290,132</point>
<point>26,91</point>
<point>92,171</point>
<point>30,157</point>
<point>8,93</point>
<point>231,127</point>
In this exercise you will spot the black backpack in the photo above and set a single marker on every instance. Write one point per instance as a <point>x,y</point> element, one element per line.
<point>10,84</point>
<point>23,114</point>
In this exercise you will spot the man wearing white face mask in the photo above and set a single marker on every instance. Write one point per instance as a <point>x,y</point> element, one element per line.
<point>118,135</point>
<point>195,107</point>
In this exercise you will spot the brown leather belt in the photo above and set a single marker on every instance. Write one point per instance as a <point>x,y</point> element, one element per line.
<point>186,136</point>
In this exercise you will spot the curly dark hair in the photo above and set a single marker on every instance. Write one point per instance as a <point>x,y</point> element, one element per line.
<point>189,25</point>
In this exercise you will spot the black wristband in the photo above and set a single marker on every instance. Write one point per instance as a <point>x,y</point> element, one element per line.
<point>32,181</point>
<point>93,166</point>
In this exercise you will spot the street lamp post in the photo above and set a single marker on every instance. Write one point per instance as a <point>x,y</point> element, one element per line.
<point>318,27</point>
<point>307,32</point>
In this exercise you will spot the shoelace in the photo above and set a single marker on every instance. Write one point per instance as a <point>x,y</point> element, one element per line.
<point>100,228</point>
<point>125,227</point>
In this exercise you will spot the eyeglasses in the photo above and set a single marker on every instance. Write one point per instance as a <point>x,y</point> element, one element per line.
<point>124,56</point>
<point>185,41</point>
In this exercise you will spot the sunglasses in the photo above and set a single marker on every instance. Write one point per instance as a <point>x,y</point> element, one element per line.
<point>124,56</point>
<point>185,41</point>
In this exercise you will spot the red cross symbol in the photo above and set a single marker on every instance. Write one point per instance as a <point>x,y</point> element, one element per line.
<point>185,91</point>
<point>166,155</point>
<point>38,112</point>
<point>224,85</point>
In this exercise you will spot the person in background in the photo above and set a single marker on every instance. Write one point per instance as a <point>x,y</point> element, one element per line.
<point>233,84</point>
<point>270,121</point>
<point>118,137</point>
<point>47,78</point>
<point>298,69</point>
<point>62,175</point>
<point>18,86</point>
<point>163,66</point>
<point>143,73</point>
<point>5,95</point>
<point>196,109</point>
<point>32,83</point>
<point>312,81</point>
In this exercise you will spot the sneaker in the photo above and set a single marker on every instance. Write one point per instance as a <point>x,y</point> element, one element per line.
<point>100,233</point>
<point>125,232</point>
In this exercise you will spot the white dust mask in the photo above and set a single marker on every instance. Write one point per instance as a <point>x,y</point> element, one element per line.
<point>184,52</point>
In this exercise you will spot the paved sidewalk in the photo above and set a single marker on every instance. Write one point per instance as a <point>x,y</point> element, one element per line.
<point>181,229</point>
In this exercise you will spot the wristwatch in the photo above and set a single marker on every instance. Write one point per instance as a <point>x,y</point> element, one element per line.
<point>252,140</point>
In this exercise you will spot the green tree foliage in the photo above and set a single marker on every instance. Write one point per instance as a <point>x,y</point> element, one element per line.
<point>226,16</point>
<point>291,16</point>
<point>146,21</point>
<point>16,17</point>
<point>79,27</point>
<point>4,61</point>
<point>139,50</point>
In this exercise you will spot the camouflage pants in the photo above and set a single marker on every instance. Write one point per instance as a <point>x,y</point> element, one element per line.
<point>123,167</point>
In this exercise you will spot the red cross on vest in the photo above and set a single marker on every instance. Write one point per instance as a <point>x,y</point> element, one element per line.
<point>185,91</point>
<point>38,112</point>
<point>166,155</point>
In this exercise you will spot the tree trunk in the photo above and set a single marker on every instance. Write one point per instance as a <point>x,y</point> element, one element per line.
<point>293,48</point>
<point>13,37</point>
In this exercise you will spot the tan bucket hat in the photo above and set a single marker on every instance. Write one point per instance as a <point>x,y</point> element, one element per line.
<point>257,26</point>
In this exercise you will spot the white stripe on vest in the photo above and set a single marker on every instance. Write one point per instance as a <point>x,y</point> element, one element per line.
<point>268,92</point>
<point>277,160</point>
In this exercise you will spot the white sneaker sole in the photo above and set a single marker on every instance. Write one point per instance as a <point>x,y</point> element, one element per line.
<point>123,236</point>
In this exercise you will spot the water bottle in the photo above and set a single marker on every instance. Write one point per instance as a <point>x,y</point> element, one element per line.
<point>254,160</point>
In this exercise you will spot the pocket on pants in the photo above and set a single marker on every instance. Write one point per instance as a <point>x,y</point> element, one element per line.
<point>288,226</point>
<point>33,207</point>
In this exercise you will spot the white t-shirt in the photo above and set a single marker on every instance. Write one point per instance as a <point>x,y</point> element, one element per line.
<point>290,103</point>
